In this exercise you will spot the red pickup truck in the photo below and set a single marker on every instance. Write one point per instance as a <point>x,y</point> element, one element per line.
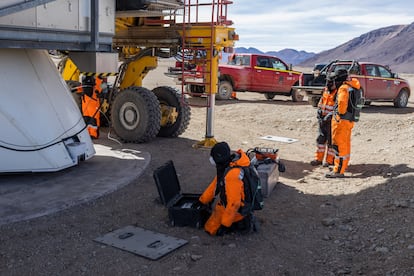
<point>257,73</point>
<point>378,82</point>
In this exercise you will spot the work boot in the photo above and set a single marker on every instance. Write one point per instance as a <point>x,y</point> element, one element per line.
<point>316,162</point>
<point>333,174</point>
<point>326,164</point>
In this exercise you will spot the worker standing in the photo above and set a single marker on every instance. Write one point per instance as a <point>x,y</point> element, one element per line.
<point>342,123</point>
<point>324,115</point>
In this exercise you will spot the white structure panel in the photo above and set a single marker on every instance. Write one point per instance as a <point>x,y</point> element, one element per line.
<point>37,113</point>
<point>67,15</point>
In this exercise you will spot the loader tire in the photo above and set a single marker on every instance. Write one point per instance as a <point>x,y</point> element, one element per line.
<point>136,115</point>
<point>171,98</point>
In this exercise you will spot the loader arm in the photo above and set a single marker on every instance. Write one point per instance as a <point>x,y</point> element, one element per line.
<point>135,71</point>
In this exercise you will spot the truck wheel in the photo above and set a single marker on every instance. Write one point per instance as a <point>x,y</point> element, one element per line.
<point>196,90</point>
<point>402,99</point>
<point>175,111</point>
<point>224,91</point>
<point>269,96</point>
<point>296,95</point>
<point>136,115</point>
<point>314,101</point>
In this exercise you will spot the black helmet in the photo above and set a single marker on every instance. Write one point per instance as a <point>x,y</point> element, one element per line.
<point>338,75</point>
<point>221,153</point>
<point>341,75</point>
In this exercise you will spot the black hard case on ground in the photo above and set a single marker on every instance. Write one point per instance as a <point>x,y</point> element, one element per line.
<point>180,212</point>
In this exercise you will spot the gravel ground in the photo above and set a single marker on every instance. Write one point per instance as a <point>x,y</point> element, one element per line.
<point>360,225</point>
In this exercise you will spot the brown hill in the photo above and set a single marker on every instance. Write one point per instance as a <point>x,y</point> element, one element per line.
<point>393,46</point>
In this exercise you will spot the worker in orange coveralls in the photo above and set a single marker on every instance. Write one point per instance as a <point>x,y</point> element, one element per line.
<point>91,87</point>
<point>228,191</point>
<point>342,124</point>
<point>324,115</point>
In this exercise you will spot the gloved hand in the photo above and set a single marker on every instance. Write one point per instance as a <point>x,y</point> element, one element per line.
<point>197,205</point>
<point>319,114</point>
<point>327,118</point>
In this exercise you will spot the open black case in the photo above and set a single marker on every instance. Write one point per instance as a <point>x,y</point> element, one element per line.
<point>180,210</point>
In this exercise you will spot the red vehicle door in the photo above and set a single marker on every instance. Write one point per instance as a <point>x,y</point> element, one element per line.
<point>379,84</point>
<point>283,77</point>
<point>373,82</point>
<point>389,86</point>
<point>263,75</point>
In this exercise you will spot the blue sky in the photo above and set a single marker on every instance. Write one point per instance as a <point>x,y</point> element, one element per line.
<point>312,26</point>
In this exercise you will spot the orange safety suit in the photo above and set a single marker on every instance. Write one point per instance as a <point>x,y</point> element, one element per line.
<point>324,139</point>
<point>342,128</point>
<point>90,109</point>
<point>226,213</point>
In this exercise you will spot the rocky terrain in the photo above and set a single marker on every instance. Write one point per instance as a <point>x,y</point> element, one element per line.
<point>359,225</point>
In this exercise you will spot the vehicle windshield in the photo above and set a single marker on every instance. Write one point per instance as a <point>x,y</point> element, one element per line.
<point>337,66</point>
<point>319,66</point>
<point>239,60</point>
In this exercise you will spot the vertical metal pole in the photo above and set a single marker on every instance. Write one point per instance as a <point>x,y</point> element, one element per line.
<point>210,116</point>
<point>213,66</point>
<point>95,25</point>
<point>213,79</point>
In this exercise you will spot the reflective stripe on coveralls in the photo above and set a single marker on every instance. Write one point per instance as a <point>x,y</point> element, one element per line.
<point>324,140</point>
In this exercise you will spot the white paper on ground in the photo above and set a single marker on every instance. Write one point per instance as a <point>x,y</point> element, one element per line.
<point>279,139</point>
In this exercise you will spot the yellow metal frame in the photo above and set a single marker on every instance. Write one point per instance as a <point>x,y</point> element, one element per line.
<point>69,70</point>
<point>205,36</point>
<point>137,70</point>
<point>206,143</point>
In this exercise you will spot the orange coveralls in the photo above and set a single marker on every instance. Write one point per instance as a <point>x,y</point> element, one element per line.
<point>324,139</point>
<point>90,109</point>
<point>341,128</point>
<point>227,215</point>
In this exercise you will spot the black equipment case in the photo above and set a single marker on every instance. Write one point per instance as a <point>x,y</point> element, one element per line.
<point>180,210</point>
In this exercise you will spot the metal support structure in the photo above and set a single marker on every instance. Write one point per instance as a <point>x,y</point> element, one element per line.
<point>22,6</point>
<point>209,140</point>
<point>94,26</point>
<point>59,24</point>
<point>209,38</point>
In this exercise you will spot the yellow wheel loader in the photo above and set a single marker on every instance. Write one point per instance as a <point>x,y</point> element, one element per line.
<point>135,113</point>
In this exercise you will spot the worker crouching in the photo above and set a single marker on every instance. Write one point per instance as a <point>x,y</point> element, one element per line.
<point>226,191</point>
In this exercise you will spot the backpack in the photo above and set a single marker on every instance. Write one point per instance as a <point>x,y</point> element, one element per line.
<point>253,198</point>
<point>355,103</point>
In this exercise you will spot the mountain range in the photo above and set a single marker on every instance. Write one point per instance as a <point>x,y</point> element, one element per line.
<point>392,46</point>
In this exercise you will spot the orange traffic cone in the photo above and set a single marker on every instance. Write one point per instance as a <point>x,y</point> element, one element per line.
<point>234,95</point>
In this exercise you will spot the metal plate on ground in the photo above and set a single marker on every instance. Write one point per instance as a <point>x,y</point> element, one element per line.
<point>142,242</point>
<point>278,139</point>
